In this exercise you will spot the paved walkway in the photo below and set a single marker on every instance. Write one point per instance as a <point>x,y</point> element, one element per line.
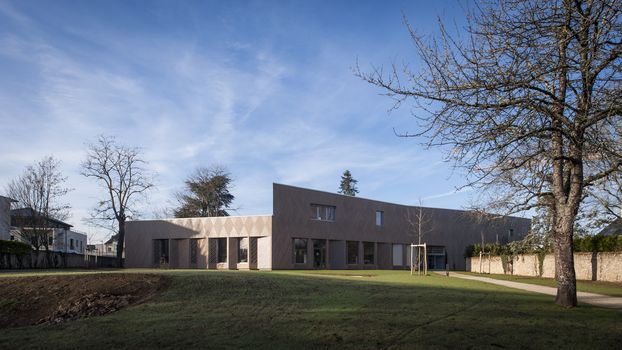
<point>582,297</point>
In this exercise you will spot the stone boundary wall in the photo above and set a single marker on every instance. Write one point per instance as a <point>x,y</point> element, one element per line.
<point>52,260</point>
<point>588,266</point>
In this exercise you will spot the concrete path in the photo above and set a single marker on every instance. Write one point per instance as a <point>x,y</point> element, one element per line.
<point>583,297</point>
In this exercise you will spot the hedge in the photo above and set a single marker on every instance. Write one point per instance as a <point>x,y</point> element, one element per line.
<point>14,247</point>
<point>598,244</point>
<point>581,245</point>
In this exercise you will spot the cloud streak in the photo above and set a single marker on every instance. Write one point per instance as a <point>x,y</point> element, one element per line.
<point>268,108</point>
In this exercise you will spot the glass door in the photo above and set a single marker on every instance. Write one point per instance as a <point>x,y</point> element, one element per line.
<point>319,253</point>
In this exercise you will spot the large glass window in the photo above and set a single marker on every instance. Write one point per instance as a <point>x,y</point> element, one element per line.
<point>300,251</point>
<point>368,252</point>
<point>160,251</point>
<point>379,218</point>
<point>243,250</point>
<point>222,250</point>
<point>319,253</point>
<point>352,248</point>
<point>194,245</point>
<point>323,212</point>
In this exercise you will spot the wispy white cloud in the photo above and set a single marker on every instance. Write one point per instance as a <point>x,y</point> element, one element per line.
<point>268,116</point>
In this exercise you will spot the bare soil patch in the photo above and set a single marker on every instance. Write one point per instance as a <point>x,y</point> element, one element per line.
<point>53,299</point>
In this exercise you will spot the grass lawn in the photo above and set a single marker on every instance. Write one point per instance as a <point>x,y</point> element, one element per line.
<point>606,288</point>
<point>330,309</point>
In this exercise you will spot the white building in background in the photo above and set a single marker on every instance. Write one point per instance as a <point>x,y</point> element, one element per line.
<point>62,238</point>
<point>108,248</point>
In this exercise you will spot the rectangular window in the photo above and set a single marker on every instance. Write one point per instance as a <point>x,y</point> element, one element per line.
<point>352,253</point>
<point>379,218</point>
<point>222,250</point>
<point>323,212</point>
<point>160,251</point>
<point>194,245</point>
<point>50,240</point>
<point>71,243</point>
<point>243,250</point>
<point>368,252</point>
<point>300,251</point>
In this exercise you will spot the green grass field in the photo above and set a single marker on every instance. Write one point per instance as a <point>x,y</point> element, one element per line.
<point>598,287</point>
<point>330,309</point>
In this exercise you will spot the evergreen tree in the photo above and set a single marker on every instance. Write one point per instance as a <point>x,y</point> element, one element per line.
<point>348,184</point>
<point>206,194</point>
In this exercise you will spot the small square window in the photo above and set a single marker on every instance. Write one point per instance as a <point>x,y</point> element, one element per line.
<point>379,218</point>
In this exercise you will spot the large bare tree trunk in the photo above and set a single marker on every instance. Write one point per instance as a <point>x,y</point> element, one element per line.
<point>564,263</point>
<point>120,243</point>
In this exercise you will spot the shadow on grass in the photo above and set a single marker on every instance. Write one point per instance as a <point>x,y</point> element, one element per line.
<point>293,310</point>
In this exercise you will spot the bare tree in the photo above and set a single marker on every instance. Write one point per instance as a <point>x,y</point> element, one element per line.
<point>527,102</point>
<point>486,222</point>
<point>420,224</point>
<point>118,169</point>
<point>603,203</point>
<point>38,192</point>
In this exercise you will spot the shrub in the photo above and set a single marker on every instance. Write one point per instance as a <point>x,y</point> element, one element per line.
<point>598,244</point>
<point>583,244</point>
<point>14,247</point>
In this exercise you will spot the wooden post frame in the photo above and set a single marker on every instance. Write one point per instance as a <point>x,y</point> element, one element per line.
<point>419,247</point>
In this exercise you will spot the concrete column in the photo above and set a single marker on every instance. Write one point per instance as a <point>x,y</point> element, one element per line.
<point>232,253</point>
<point>309,253</point>
<point>360,261</point>
<point>327,253</point>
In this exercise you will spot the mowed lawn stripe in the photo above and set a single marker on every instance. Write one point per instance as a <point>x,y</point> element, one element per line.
<point>293,309</point>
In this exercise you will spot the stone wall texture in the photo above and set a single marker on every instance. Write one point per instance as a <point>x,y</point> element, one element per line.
<point>602,266</point>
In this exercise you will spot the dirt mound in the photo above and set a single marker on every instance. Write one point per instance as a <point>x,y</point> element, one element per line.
<point>54,299</point>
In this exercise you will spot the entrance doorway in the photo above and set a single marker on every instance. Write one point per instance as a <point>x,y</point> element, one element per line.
<point>319,253</point>
<point>437,258</point>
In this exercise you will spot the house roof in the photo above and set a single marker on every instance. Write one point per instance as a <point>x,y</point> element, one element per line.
<point>8,198</point>
<point>113,239</point>
<point>613,229</point>
<point>29,212</point>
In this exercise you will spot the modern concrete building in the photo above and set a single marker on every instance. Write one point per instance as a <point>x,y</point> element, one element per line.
<point>311,229</point>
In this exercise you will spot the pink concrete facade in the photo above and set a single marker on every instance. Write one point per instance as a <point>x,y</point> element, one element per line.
<point>313,229</point>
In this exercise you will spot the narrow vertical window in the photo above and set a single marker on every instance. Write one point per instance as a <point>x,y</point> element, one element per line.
<point>352,253</point>
<point>300,251</point>
<point>222,250</point>
<point>243,250</point>
<point>368,253</point>
<point>194,245</point>
<point>379,218</point>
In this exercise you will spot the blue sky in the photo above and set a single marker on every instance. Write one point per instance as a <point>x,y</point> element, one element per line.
<point>264,88</point>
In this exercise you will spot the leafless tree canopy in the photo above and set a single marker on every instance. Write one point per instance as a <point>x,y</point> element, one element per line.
<point>528,102</point>
<point>39,190</point>
<point>120,171</point>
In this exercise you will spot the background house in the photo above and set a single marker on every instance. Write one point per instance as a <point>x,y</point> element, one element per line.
<point>5,218</point>
<point>61,238</point>
<point>108,248</point>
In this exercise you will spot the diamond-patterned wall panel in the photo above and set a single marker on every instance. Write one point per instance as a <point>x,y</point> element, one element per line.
<point>232,226</point>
